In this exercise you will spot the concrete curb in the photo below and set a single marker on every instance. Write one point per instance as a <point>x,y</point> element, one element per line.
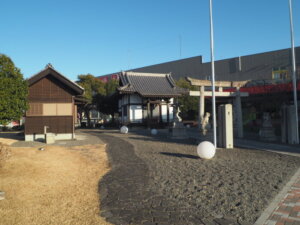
<point>2,195</point>
<point>275,202</point>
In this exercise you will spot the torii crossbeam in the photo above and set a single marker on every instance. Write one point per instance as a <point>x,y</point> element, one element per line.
<point>220,93</point>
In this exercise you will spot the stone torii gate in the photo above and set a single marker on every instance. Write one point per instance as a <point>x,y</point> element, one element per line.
<point>202,93</point>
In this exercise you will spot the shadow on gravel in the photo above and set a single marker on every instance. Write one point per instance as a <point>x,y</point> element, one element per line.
<point>145,135</point>
<point>179,155</point>
<point>148,138</point>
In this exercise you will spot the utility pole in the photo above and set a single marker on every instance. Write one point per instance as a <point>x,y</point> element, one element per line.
<point>213,73</point>
<point>294,73</point>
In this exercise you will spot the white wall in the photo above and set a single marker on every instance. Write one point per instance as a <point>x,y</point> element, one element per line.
<point>136,114</point>
<point>164,113</point>
<point>171,113</point>
<point>136,111</point>
<point>155,112</point>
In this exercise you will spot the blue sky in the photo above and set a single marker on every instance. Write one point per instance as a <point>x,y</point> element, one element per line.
<point>106,36</point>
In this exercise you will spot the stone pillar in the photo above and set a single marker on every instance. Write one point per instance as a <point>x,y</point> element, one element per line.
<point>291,125</point>
<point>225,126</point>
<point>238,115</point>
<point>201,106</point>
<point>288,125</point>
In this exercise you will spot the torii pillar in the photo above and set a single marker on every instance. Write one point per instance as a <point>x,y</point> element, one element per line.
<point>238,116</point>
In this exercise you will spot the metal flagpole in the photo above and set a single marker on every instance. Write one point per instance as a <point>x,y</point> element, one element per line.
<point>294,72</point>
<point>213,73</point>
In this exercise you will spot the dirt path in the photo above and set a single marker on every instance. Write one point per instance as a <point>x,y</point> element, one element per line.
<point>56,186</point>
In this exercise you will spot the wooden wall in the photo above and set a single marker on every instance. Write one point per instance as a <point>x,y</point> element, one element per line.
<point>49,90</point>
<point>56,124</point>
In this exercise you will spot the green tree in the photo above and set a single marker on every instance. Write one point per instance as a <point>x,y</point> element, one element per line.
<point>188,104</point>
<point>92,87</point>
<point>111,87</point>
<point>108,103</point>
<point>13,91</point>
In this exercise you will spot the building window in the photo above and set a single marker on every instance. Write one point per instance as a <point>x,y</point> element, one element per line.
<point>50,109</point>
<point>64,109</point>
<point>280,73</point>
<point>35,109</point>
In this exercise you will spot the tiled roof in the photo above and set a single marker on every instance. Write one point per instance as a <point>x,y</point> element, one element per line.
<point>50,70</point>
<point>149,84</point>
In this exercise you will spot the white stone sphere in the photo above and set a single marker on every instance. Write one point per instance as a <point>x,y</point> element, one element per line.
<point>154,132</point>
<point>124,130</point>
<point>206,150</point>
<point>188,126</point>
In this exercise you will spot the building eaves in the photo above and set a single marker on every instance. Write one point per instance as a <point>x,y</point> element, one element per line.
<point>50,70</point>
<point>150,84</point>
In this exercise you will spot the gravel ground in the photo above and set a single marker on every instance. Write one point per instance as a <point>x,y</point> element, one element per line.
<point>236,184</point>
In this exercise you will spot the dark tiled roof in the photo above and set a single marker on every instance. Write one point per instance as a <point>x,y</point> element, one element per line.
<point>149,84</point>
<point>49,70</point>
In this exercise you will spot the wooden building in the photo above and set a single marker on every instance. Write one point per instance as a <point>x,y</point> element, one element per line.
<point>52,105</point>
<point>147,98</point>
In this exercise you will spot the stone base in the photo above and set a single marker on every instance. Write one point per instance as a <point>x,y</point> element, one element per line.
<point>41,137</point>
<point>2,195</point>
<point>50,138</point>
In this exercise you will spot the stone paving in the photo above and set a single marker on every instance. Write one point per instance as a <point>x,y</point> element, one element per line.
<point>128,200</point>
<point>131,196</point>
<point>285,208</point>
<point>288,211</point>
